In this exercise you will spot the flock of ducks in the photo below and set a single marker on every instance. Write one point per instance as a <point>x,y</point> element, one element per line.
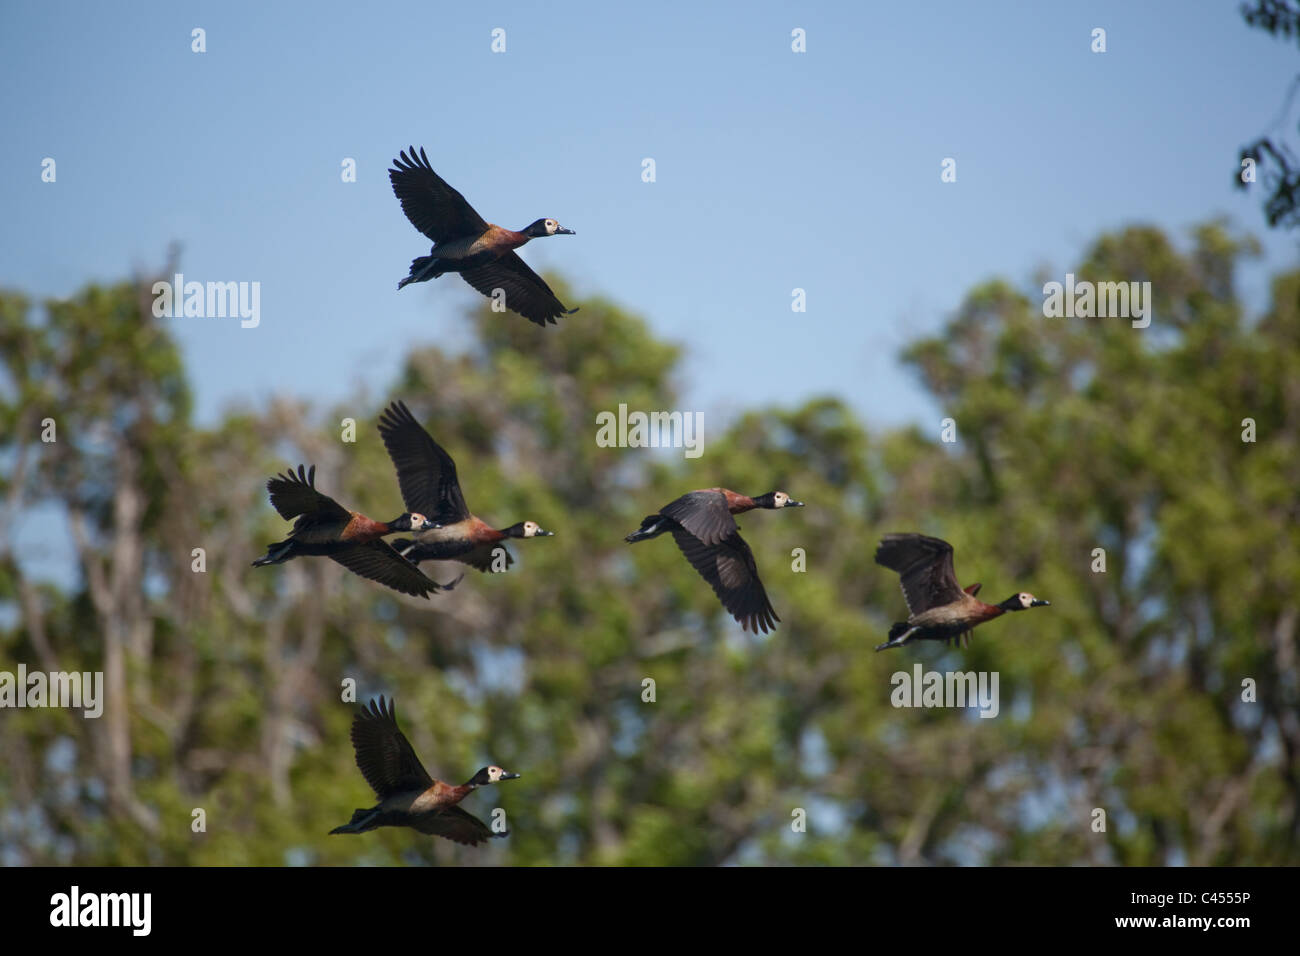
<point>442,528</point>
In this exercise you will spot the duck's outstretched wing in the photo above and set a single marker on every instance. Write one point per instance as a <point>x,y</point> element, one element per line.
<point>525,291</point>
<point>729,568</point>
<point>318,516</point>
<point>456,825</point>
<point>435,208</point>
<point>426,474</point>
<point>704,514</point>
<point>294,495</point>
<point>377,561</point>
<point>924,567</point>
<point>384,755</point>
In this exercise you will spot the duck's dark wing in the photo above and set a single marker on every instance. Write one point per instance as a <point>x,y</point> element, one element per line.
<point>924,566</point>
<point>377,561</point>
<point>704,514</point>
<point>384,756</point>
<point>425,472</point>
<point>457,825</point>
<point>433,207</point>
<point>525,291</point>
<point>729,568</point>
<point>294,495</point>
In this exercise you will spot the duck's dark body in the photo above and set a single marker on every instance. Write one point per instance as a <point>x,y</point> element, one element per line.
<point>945,623</point>
<point>465,254</point>
<point>426,473</point>
<point>702,524</point>
<point>324,528</point>
<point>938,608</point>
<point>408,795</point>
<point>471,541</point>
<point>465,243</point>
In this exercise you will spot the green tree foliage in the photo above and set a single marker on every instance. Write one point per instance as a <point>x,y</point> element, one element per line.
<point>1074,434</point>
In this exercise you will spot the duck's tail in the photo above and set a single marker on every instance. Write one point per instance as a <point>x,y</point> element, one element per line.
<point>898,634</point>
<point>423,268</point>
<point>651,526</point>
<point>362,820</point>
<point>277,553</point>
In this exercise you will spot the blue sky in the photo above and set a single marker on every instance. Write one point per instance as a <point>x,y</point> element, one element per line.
<point>775,170</point>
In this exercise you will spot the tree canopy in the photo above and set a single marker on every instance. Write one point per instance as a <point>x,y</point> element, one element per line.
<point>224,685</point>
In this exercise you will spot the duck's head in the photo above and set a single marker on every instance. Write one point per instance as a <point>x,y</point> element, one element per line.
<point>412,521</point>
<point>546,227</point>
<point>1023,602</point>
<point>489,775</point>
<point>777,499</point>
<point>527,529</point>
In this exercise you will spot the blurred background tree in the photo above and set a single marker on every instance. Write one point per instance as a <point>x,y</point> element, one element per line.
<point>224,687</point>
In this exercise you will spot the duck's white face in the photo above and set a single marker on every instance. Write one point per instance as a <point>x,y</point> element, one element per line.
<point>551,227</point>
<point>780,499</point>
<point>493,775</point>
<point>531,528</point>
<point>417,519</point>
<point>1026,599</point>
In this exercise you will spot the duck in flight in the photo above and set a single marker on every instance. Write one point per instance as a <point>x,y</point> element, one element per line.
<point>939,609</point>
<point>408,796</point>
<point>427,474</point>
<point>702,524</point>
<point>324,527</point>
<point>464,242</point>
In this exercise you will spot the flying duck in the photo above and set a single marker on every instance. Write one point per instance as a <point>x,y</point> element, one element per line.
<point>939,609</point>
<point>464,242</point>
<point>426,473</point>
<point>408,796</point>
<point>324,527</point>
<point>701,523</point>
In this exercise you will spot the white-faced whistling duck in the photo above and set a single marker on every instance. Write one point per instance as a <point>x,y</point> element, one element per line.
<point>939,609</point>
<point>701,523</point>
<point>466,243</point>
<point>408,796</point>
<point>324,527</point>
<point>426,474</point>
